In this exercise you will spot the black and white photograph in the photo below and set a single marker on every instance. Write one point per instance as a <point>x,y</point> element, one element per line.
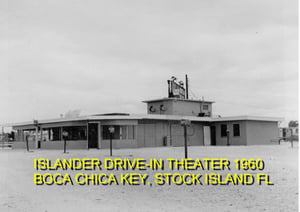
<point>143,105</point>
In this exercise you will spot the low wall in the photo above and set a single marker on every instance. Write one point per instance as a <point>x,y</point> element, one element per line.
<point>80,144</point>
<point>119,144</point>
<point>22,145</point>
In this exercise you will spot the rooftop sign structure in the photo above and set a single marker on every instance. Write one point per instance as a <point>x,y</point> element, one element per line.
<point>176,89</point>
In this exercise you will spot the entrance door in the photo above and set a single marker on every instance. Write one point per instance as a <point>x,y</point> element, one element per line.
<point>206,133</point>
<point>213,135</point>
<point>93,135</point>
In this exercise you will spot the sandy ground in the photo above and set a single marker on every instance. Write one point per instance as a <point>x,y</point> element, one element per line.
<point>19,193</point>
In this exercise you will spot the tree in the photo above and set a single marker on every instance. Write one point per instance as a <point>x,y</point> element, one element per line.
<point>293,123</point>
<point>72,114</point>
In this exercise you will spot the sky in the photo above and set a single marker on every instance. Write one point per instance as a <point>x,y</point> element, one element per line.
<point>108,56</point>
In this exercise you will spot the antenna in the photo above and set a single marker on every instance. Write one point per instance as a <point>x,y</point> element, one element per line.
<point>186,87</point>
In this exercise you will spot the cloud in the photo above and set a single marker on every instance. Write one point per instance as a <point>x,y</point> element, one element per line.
<point>105,56</point>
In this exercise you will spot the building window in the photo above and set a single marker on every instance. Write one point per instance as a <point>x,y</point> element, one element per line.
<point>122,132</point>
<point>152,109</point>
<point>223,130</point>
<point>55,134</point>
<point>205,107</point>
<point>76,132</point>
<point>106,133</point>
<point>236,130</point>
<point>131,133</point>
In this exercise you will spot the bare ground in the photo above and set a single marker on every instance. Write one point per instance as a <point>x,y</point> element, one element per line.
<point>19,193</point>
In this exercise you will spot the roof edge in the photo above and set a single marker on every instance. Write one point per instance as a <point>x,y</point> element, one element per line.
<point>177,99</point>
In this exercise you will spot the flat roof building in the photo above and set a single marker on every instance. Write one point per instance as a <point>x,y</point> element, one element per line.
<point>159,127</point>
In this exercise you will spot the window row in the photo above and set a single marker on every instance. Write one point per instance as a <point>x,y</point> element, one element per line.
<point>122,132</point>
<point>236,130</point>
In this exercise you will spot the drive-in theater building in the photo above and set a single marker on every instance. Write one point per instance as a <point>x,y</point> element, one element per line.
<point>159,127</point>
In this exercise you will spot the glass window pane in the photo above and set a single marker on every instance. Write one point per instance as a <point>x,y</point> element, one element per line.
<point>124,132</point>
<point>223,130</point>
<point>131,132</point>
<point>236,130</point>
<point>121,132</point>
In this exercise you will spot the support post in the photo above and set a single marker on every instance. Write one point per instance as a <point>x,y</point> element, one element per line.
<point>65,135</point>
<point>26,139</point>
<point>41,129</point>
<point>292,144</point>
<point>37,137</point>
<point>111,132</point>
<point>2,137</point>
<point>110,143</point>
<point>185,124</point>
<point>36,124</point>
<point>185,142</point>
<point>87,134</point>
<point>60,133</point>
<point>49,134</point>
<point>65,145</point>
